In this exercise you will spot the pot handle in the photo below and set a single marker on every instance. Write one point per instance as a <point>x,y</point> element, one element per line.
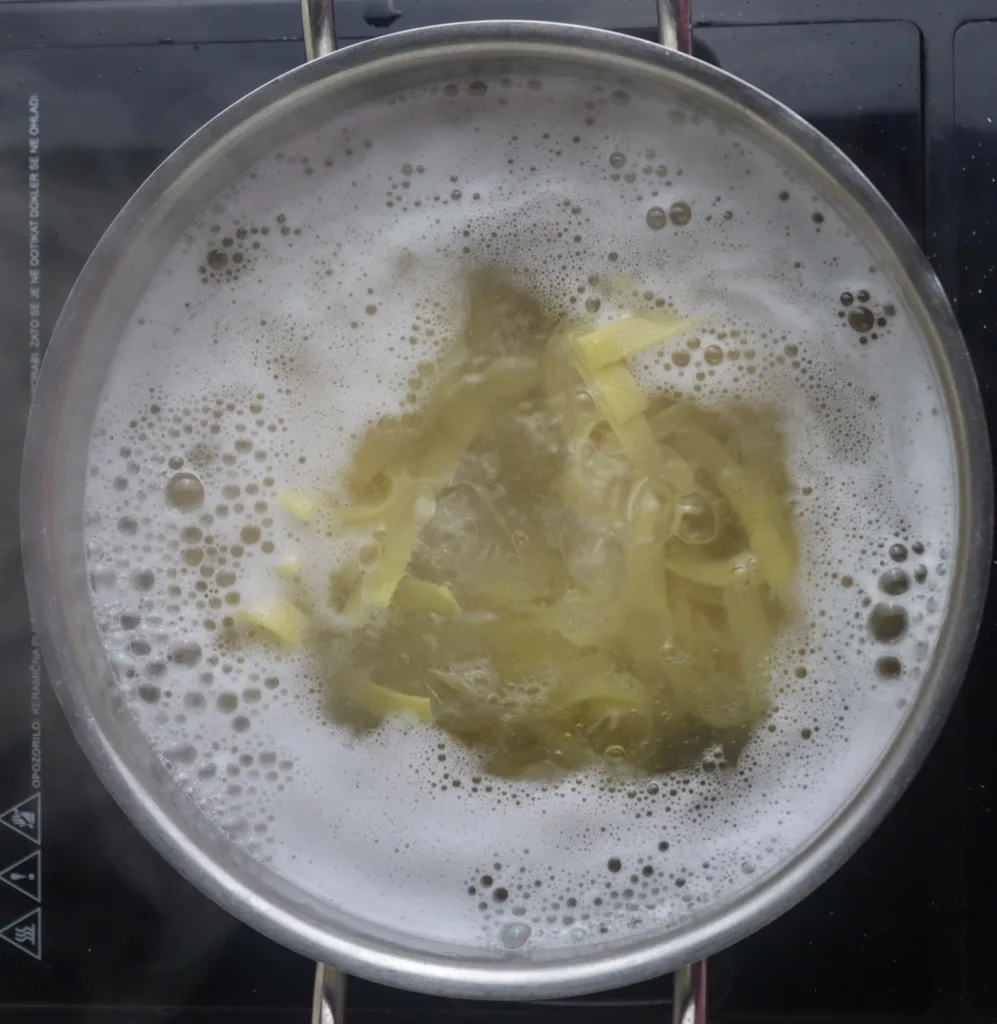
<point>319,20</point>
<point>688,1000</point>
<point>675,24</point>
<point>329,997</point>
<point>329,994</point>
<point>689,994</point>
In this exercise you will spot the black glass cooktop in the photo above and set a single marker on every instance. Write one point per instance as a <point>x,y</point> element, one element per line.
<point>93,925</point>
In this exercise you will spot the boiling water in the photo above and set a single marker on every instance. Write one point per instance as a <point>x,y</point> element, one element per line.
<point>301,306</point>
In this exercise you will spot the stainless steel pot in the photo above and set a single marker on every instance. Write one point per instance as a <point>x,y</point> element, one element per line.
<point>74,372</point>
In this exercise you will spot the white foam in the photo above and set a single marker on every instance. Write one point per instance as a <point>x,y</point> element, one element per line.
<point>379,228</point>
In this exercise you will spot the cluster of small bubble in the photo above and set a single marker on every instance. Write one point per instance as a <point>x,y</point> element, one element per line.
<point>195,498</point>
<point>321,292</point>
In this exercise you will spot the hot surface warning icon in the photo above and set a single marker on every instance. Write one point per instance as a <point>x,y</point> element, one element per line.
<point>25,933</point>
<point>25,818</point>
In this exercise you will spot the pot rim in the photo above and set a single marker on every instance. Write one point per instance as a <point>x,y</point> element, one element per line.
<point>589,968</point>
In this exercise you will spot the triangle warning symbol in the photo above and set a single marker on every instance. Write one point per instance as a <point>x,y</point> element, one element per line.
<point>25,875</point>
<point>25,818</point>
<point>25,933</point>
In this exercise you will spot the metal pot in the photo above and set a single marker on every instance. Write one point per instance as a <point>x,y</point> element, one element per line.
<point>74,373</point>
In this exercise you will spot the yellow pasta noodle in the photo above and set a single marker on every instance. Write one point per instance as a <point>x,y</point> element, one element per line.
<point>413,595</point>
<point>621,339</point>
<point>377,586</point>
<point>281,619</point>
<point>301,506</point>
<point>559,567</point>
